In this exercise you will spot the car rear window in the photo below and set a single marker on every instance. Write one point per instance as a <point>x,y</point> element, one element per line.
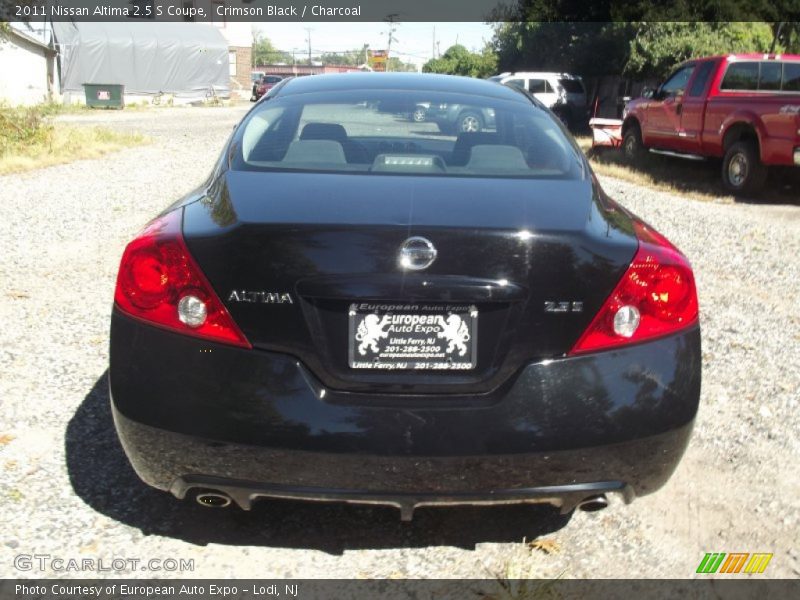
<point>572,86</point>
<point>380,132</point>
<point>762,75</point>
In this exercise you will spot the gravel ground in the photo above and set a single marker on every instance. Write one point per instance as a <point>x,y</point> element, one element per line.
<point>69,492</point>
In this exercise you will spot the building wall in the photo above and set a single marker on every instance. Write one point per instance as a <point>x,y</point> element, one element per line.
<point>241,77</point>
<point>23,72</point>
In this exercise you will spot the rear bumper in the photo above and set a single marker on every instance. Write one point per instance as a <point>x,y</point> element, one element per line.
<point>253,423</point>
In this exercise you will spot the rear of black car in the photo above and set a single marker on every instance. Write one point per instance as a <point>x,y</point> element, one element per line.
<point>272,335</point>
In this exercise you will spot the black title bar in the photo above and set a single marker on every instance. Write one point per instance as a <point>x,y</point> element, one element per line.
<point>216,11</point>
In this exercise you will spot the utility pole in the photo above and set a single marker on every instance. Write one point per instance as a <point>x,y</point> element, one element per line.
<point>392,21</point>
<point>433,46</point>
<point>309,30</point>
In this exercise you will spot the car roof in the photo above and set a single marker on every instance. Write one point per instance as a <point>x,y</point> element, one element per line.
<point>745,56</point>
<point>539,74</point>
<point>424,82</point>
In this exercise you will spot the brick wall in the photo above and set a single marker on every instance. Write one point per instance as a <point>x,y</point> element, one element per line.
<point>241,82</point>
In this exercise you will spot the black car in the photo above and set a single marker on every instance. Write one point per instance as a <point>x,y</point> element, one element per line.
<point>355,308</point>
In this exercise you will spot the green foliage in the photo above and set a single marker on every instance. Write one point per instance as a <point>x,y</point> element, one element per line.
<point>351,58</point>
<point>627,11</point>
<point>457,60</point>
<point>24,126</point>
<point>584,48</point>
<point>788,38</point>
<point>658,47</point>
<point>397,65</point>
<point>637,49</point>
<point>4,29</point>
<point>264,53</point>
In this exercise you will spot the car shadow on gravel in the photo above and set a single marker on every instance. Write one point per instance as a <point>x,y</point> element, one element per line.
<point>102,477</point>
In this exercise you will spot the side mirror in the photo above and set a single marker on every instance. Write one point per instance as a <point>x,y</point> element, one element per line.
<point>648,93</point>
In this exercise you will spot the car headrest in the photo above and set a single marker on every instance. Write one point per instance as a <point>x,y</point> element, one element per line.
<point>465,141</point>
<point>323,131</point>
<point>315,151</point>
<point>506,158</point>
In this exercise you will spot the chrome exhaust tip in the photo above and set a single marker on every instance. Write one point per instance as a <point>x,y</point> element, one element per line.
<point>213,500</point>
<point>593,503</point>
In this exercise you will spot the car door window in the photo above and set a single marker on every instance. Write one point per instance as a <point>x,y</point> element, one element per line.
<point>537,86</point>
<point>677,83</point>
<point>741,76</point>
<point>698,86</point>
<point>520,83</point>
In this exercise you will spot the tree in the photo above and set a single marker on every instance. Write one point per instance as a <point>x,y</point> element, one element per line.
<point>589,49</point>
<point>457,60</point>
<point>351,58</point>
<point>264,53</point>
<point>658,47</point>
<point>397,65</point>
<point>638,49</point>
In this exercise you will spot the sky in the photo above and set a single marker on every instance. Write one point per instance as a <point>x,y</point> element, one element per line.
<point>413,41</point>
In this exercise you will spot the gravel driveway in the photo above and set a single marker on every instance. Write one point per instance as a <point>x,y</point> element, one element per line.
<point>69,492</point>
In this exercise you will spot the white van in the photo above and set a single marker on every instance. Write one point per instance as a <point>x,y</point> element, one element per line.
<point>562,93</point>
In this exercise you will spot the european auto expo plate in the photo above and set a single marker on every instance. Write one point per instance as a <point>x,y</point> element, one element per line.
<point>388,336</point>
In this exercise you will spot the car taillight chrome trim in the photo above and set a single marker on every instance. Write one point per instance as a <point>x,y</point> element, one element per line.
<point>658,285</point>
<point>160,283</point>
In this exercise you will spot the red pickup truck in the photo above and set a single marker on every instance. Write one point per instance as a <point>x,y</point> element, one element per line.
<point>743,108</point>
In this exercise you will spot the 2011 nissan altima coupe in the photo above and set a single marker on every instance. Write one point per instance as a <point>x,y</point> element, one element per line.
<point>357,307</point>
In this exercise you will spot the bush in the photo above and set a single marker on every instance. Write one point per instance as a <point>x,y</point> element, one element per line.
<point>24,126</point>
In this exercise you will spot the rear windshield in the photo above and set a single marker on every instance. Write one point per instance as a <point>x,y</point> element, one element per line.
<point>404,132</point>
<point>572,86</point>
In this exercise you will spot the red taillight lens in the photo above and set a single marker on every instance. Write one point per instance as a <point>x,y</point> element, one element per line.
<point>157,272</point>
<point>655,297</point>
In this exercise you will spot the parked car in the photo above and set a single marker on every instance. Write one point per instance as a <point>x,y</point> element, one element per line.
<point>742,108</point>
<point>458,118</point>
<point>353,308</point>
<point>562,93</point>
<point>263,85</point>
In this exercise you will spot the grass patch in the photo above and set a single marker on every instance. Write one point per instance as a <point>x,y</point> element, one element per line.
<point>29,139</point>
<point>700,180</point>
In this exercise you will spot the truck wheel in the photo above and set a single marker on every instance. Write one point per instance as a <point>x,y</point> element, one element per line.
<point>633,149</point>
<point>742,171</point>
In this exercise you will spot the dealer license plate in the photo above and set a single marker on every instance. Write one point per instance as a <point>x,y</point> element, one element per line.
<point>413,336</point>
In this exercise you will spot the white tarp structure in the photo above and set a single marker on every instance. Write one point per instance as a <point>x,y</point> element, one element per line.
<point>189,60</point>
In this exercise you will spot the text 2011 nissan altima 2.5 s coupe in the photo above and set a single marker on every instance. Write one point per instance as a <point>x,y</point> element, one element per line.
<point>357,307</point>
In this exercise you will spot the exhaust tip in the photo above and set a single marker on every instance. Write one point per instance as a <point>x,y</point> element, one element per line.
<point>593,503</point>
<point>213,500</point>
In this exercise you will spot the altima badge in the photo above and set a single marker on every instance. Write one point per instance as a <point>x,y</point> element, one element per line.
<point>260,297</point>
<point>563,307</point>
<point>417,253</point>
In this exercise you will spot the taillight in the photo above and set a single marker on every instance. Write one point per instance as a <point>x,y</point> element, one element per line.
<point>159,282</point>
<point>655,297</point>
